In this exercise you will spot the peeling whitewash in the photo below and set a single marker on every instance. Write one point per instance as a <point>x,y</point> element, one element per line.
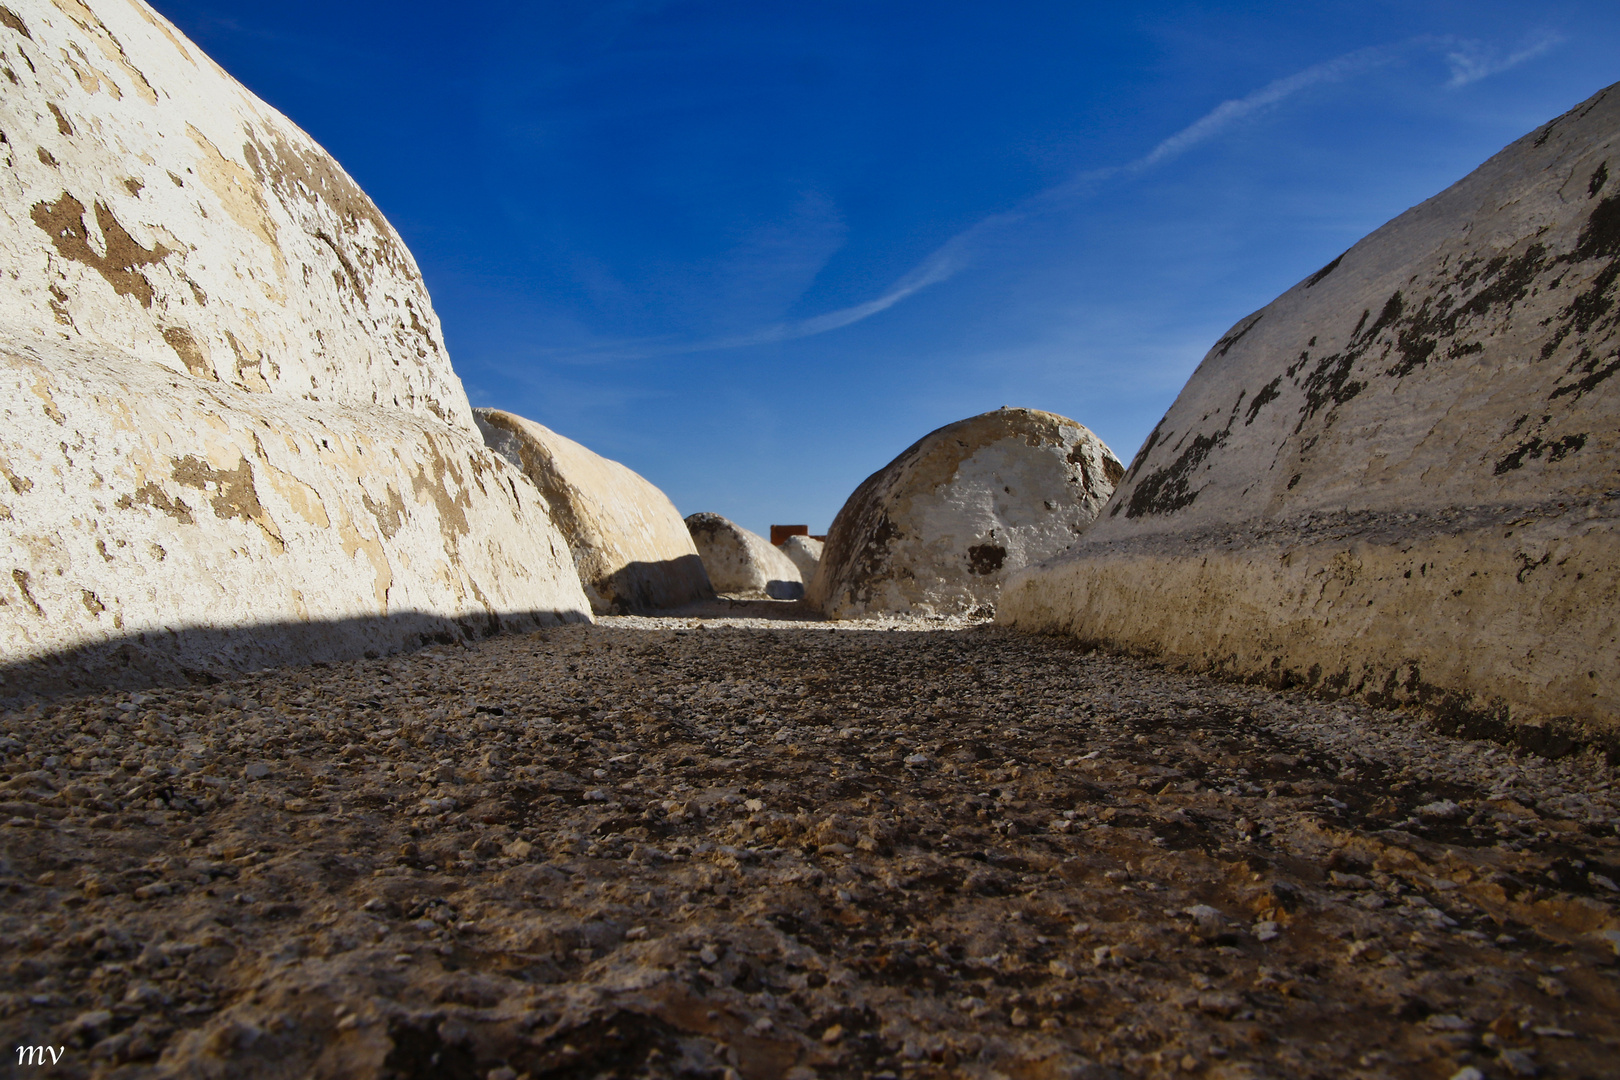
<point>153,204</point>
<point>938,529</point>
<point>632,550</point>
<point>742,562</point>
<point>227,401</point>
<point>141,502</point>
<point>1400,479</point>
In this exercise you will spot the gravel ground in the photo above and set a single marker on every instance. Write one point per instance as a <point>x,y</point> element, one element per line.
<point>741,842</point>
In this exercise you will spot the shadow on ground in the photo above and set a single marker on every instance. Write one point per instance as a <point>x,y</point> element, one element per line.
<point>209,654</point>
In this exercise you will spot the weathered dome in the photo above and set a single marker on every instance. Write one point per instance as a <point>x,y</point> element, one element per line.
<point>938,529</point>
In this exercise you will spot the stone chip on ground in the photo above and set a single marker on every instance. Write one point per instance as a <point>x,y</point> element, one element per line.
<point>673,847</point>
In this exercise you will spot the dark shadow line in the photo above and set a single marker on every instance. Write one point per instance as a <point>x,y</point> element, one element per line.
<point>210,654</point>
<point>650,588</point>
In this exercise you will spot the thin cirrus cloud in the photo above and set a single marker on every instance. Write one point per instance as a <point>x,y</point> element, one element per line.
<point>1469,61</point>
<point>1228,113</point>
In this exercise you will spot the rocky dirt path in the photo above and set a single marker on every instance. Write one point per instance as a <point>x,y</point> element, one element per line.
<point>782,850</point>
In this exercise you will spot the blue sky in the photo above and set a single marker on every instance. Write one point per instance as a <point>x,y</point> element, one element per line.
<point>754,250</point>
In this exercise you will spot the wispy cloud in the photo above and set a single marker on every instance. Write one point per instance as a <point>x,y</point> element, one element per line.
<point>956,253</point>
<point>1471,61</point>
<point>1228,113</point>
<point>943,264</point>
<point>770,266</point>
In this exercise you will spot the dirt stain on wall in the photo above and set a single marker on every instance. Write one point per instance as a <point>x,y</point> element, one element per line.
<point>233,492</point>
<point>190,352</point>
<point>63,221</point>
